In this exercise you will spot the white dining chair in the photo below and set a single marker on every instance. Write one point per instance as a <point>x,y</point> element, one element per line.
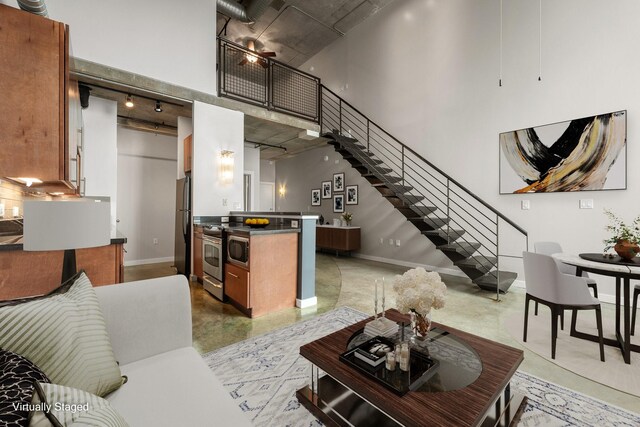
<point>546,285</point>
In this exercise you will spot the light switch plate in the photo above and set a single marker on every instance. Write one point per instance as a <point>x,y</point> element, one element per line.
<point>294,223</point>
<point>397,242</point>
<point>586,203</point>
<point>390,242</point>
<point>525,205</point>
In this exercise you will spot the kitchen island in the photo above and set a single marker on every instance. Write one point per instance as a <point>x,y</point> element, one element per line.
<point>25,274</point>
<point>306,223</point>
<point>263,277</point>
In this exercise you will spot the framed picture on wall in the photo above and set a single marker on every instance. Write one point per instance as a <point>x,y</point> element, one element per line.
<point>315,197</point>
<point>338,203</point>
<point>326,189</point>
<point>588,153</point>
<point>352,194</point>
<point>338,182</point>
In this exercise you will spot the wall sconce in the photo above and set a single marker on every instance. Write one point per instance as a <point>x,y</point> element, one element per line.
<point>226,166</point>
<point>282,191</point>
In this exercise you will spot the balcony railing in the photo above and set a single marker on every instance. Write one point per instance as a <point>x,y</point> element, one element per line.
<point>245,76</point>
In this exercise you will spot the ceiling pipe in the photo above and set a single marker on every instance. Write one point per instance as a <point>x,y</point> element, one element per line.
<point>34,6</point>
<point>246,15</point>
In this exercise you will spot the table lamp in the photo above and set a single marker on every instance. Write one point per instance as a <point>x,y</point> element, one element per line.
<point>67,225</point>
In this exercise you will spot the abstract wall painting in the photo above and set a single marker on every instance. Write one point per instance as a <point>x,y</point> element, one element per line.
<point>576,155</point>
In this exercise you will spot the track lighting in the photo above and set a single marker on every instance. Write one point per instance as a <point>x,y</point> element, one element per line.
<point>129,101</point>
<point>158,107</point>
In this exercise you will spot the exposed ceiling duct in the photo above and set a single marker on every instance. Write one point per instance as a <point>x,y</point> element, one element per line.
<point>34,6</point>
<point>237,11</point>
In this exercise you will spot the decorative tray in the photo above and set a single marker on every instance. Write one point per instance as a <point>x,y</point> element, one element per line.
<point>421,368</point>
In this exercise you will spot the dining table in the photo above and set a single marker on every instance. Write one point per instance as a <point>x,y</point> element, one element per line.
<point>624,271</point>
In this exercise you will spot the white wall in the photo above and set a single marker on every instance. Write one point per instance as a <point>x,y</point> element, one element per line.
<point>101,151</point>
<point>146,195</point>
<point>267,171</point>
<point>216,129</point>
<point>167,40</point>
<point>428,72</point>
<point>252,164</point>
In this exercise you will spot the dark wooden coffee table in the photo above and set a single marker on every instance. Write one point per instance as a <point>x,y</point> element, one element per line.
<point>347,397</point>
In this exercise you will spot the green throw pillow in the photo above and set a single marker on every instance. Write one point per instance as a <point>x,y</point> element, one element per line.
<point>65,406</point>
<point>65,335</point>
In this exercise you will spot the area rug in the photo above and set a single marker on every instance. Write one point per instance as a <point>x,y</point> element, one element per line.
<point>262,374</point>
<point>577,355</point>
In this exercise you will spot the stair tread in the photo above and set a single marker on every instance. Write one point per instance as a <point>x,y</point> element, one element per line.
<point>443,233</point>
<point>477,261</point>
<point>460,246</point>
<point>489,280</point>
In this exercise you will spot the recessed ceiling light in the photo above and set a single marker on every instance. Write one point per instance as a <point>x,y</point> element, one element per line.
<point>129,102</point>
<point>158,107</point>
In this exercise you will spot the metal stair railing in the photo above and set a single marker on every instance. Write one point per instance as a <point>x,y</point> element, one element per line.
<point>456,205</point>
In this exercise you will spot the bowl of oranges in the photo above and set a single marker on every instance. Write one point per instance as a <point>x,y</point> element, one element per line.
<point>257,222</point>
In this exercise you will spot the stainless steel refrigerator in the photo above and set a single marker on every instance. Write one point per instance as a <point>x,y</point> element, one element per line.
<point>183,226</point>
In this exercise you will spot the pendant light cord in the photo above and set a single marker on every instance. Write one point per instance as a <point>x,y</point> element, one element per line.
<point>500,72</point>
<point>540,42</point>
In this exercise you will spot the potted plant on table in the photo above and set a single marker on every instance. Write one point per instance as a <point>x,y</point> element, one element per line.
<point>418,292</point>
<point>347,217</point>
<point>624,238</point>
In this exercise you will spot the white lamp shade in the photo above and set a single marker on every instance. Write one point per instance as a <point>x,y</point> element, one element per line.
<point>66,224</point>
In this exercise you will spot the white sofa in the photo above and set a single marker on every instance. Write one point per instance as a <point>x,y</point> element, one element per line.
<point>149,323</point>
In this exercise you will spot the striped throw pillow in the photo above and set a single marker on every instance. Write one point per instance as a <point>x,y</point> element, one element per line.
<point>65,335</point>
<point>65,406</point>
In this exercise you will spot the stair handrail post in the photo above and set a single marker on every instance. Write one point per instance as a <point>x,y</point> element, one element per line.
<point>368,123</point>
<point>340,113</point>
<point>497,258</point>
<point>404,184</point>
<point>448,213</point>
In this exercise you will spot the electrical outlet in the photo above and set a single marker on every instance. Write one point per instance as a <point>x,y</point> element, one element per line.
<point>586,203</point>
<point>390,242</point>
<point>155,240</point>
<point>224,202</point>
<point>294,223</point>
<point>224,219</point>
<point>398,243</point>
<point>525,205</point>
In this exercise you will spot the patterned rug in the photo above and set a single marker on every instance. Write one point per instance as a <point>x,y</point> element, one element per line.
<point>263,373</point>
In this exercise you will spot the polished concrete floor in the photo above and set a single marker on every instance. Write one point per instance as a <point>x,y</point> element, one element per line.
<point>349,282</point>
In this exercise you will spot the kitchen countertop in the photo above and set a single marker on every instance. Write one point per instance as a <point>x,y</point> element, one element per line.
<point>311,215</point>
<point>116,238</point>
<point>270,229</point>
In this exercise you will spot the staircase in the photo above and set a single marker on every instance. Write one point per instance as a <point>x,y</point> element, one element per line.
<point>461,225</point>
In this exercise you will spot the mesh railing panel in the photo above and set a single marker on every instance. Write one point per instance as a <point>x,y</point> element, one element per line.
<point>266,82</point>
<point>294,92</point>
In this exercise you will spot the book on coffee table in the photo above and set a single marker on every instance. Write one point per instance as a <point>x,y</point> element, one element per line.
<point>374,351</point>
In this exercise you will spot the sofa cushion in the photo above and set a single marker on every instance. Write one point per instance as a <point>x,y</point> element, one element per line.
<point>17,376</point>
<point>175,388</point>
<point>65,335</point>
<point>66,406</point>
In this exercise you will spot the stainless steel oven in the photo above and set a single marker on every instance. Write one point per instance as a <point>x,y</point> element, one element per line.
<point>212,265</point>
<point>238,250</point>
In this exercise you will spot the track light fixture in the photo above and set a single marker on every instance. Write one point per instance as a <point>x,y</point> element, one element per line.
<point>158,108</point>
<point>129,102</point>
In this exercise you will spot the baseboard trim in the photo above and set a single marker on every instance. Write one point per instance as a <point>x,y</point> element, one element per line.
<point>443,270</point>
<point>307,302</point>
<point>147,261</point>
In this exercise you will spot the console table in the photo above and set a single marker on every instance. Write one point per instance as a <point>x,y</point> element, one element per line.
<point>344,239</point>
<point>471,389</point>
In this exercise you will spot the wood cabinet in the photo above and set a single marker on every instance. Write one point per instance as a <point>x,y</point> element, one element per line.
<point>338,238</point>
<point>270,282</point>
<point>33,82</point>
<point>236,285</point>
<point>188,153</point>
<point>24,274</point>
<point>197,253</point>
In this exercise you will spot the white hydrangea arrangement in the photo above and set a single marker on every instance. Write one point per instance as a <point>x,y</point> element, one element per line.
<point>419,291</point>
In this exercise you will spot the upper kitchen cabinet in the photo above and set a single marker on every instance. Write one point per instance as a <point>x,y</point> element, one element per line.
<point>34,83</point>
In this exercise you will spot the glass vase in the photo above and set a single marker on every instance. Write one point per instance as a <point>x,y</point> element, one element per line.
<point>420,325</point>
